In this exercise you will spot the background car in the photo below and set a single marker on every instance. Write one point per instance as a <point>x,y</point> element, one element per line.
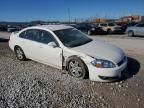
<point>89,29</point>
<point>125,25</point>
<point>3,27</point>
<point>110,27</point>
<point>137,30</point>
<point>12,28</point>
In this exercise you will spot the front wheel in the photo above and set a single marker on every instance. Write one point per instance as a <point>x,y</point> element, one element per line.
<point>109,31</point>
<point>130,33</point>
<point>77,68</point>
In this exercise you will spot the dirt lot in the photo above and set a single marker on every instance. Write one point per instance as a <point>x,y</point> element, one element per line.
<point>31,84</point>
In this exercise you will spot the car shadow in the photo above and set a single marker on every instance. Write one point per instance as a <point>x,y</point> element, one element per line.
<point>138,36</point>
<point>120,33</point>
<point>132,69</point>
<point>4,40</point>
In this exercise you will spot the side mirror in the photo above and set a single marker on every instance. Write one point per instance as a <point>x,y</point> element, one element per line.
<point>52,44</point>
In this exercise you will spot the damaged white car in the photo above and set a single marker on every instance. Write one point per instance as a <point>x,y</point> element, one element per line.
<point>65,47</point>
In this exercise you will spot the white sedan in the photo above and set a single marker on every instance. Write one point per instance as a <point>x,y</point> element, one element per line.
<point>64,47</point>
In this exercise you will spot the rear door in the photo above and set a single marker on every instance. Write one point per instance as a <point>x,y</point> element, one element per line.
<point>25,41</point>
<point>29,43</point>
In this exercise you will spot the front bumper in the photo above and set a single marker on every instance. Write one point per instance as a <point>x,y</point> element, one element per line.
<point>106,74</point>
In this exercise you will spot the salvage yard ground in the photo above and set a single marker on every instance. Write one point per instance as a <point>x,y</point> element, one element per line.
<point>31,84</point>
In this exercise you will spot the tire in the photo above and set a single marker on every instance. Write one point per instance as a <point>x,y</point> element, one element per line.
<point>77,68</point>
<point>109,31</point>
<point>130,33</point>
<point>89,32</point>
<point>20,54</point>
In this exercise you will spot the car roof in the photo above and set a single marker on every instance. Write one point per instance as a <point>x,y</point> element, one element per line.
<point>54,27</point>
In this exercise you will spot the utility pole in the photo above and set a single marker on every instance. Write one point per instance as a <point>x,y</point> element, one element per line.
<point>69,17</point>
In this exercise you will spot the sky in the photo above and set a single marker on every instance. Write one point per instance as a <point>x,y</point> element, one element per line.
<point>28,10</point>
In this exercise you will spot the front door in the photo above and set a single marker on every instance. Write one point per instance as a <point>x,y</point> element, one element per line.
<point>140,29</point>
<point>48,54</point>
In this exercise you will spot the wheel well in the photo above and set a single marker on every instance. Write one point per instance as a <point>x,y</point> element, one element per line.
<point>75,56</point>
<point>16,46</point>
<point>108,29</point>
<point>131,31</point>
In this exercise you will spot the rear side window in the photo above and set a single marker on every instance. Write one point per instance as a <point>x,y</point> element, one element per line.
<point>22,35</point>
<point>38,35</point>
<point>31,34</point>
<point>45,37</point>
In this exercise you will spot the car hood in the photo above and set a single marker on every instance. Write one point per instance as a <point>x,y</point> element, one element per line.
<point>99,49</point>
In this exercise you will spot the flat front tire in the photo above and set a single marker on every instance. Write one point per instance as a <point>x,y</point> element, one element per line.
<point>20,54</point>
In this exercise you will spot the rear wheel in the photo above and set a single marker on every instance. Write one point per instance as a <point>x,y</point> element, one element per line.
<point>20,54</point>
<point>130,33</point>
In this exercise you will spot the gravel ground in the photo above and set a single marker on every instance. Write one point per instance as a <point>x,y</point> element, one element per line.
<point>31,84</point>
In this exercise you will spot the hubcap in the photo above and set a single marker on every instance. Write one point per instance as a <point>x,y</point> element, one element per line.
<point>19,53</point>
<point>75,69</point>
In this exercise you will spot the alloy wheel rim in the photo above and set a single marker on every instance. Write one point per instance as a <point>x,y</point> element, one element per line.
<point>19,53</point>
<point>75,69</point>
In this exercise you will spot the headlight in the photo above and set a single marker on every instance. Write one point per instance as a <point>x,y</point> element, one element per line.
<point>100,63</point>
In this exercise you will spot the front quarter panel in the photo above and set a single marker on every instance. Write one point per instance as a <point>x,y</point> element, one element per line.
<point>67,53</point>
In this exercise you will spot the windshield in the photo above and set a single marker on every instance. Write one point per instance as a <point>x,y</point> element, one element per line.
<point>72,37</point>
